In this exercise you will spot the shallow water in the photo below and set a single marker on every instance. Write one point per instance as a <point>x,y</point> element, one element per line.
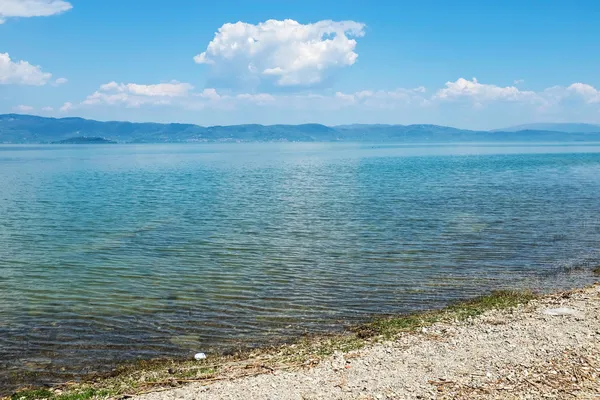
<point>113,253</point>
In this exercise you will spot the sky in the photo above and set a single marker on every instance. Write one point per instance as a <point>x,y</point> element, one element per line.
<point>467,64</point>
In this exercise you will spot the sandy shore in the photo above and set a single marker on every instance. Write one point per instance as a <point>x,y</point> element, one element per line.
<point>516,353</point>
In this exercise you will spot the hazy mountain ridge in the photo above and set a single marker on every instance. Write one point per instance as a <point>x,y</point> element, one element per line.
<point>15,128</point>
<point>556,127</point>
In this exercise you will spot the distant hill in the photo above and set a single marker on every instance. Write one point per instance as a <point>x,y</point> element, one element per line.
<point>85,140</point>
<point>556,127</point>
<point>15,128</point>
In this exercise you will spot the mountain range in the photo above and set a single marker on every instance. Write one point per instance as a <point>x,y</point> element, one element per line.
<point>22,129</point>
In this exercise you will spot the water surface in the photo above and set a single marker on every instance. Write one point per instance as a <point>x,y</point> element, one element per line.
<point>112,253</point>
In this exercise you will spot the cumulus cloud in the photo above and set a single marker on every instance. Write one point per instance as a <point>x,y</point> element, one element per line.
<point>134,95</point>
<point>482,93</point>
<point>209,93</point>
<point>21,72</point>
<point>31,8</point>
<point>23,108</point>
<point>589,93</point>
<point>286,53</point>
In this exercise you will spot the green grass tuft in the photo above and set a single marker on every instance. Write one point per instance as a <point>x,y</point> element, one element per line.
<point>33,394</point>
<point>40,394</point>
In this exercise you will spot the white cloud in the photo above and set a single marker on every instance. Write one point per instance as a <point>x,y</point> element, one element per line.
<point>23,108</point>
<point>21,72</point>
<point>442,105</point>
<point>210,94</point>
<point>211,98</point>
<point>134,95</point>
<point>60,81</point>
<point>284,52</point>
<point>259,98</point>
<point>481,93</point>
<point>577,96</point>
<point>589,93</point>
<point>345,97</point>
<point>384,98</point>
<point>162,89</point>
<point>68,106</point>
<point>518,81</point>
<point>31,8</point>
<point>47,109</point>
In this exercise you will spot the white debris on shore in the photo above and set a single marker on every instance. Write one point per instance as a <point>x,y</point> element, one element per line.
<point>549,348</point>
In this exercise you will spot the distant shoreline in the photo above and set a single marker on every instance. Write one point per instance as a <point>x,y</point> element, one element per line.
<point>23,129</point>
<point>85,140</point>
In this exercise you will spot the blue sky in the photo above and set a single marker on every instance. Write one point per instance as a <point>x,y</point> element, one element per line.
<point>468,64</point>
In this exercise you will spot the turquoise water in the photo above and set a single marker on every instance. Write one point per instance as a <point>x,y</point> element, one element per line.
<point>112,253</point>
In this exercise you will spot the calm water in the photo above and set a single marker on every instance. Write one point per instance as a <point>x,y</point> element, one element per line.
<point>112,253</point>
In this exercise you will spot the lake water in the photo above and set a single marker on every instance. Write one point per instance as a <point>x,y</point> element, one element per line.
<point>113,253</point>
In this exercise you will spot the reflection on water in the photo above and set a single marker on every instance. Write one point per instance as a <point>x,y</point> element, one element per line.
<point>112,253</point>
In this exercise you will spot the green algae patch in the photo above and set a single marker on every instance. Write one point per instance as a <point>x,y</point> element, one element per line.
<point>497,300</point>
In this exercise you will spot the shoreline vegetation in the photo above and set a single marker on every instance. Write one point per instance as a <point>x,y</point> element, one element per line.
<point>304,354</point>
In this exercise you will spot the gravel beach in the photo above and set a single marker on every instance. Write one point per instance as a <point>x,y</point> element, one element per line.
<point>549,348</point>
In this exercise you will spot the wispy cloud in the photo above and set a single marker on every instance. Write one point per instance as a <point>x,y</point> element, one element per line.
<point>60,81</point>
<point>68,106</point>
<point>23,108</point>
